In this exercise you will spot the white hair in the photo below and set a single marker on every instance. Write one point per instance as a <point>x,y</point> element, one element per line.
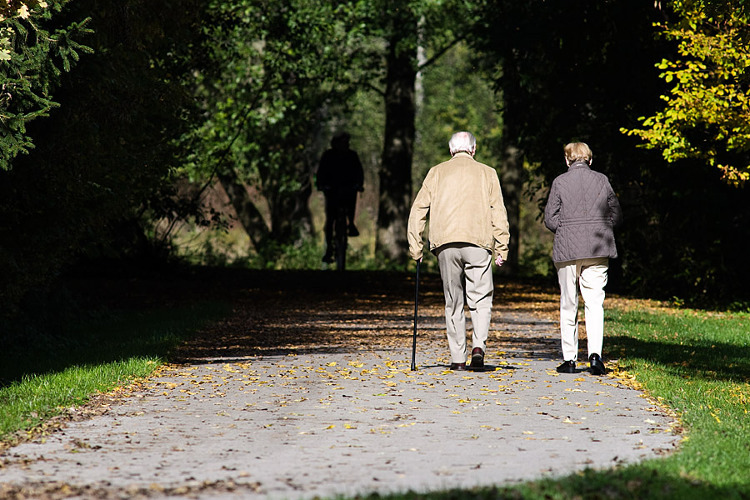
<point>462,141</point>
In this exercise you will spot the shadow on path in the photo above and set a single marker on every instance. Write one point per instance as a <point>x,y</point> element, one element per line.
<point>279,313</point>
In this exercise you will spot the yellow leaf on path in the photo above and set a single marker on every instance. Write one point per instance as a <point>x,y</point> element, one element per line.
<point>330,427</point>
<point>332,363</point>
<point>528,432</point>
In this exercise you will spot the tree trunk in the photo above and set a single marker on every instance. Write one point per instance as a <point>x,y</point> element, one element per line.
<point>291,219</point>
<point>398,147</point>
<point>247,213</point>
<point>511,181</point>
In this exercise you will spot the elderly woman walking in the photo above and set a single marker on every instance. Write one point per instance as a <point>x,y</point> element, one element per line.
<point>582,210</point>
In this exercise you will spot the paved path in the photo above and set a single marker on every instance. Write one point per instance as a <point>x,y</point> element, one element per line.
<point>324,422</point>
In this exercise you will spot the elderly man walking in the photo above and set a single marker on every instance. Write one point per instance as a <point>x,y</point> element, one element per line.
<point>581,210</point>
<point>468,224</point>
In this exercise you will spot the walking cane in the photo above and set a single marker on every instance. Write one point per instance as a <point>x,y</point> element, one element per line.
<point>416,304</point>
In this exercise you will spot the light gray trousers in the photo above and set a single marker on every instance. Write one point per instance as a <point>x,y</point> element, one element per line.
<point>466,271</point>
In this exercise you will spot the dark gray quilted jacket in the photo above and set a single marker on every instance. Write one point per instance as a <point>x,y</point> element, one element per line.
<point>581,210</point>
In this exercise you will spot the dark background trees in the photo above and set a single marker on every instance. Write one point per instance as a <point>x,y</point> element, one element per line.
<point>584,70</point>
<point>184,99</point>
<point>97,168</point>
<point>272,73</point>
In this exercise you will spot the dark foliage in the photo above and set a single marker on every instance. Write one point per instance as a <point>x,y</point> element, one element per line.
<point>579,71</point>
<point>102,159</point>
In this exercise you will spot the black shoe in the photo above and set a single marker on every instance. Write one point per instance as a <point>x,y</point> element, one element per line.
<point>458,366</point>
<point>353,230</point>
<point>597,365</point>
<point>477,358</point>
<point>328,257</point>
<point>567,367</point>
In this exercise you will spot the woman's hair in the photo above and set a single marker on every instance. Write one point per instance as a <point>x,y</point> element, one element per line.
<point>578,151</point>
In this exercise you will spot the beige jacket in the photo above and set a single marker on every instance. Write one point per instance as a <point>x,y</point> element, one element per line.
<point>465,205</point>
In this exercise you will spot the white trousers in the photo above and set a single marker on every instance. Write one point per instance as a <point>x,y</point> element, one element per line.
<point>590,276</point>
<point>466,271</point>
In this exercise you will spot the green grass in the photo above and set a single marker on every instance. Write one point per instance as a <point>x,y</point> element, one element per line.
<point>49,373</point>
<point>696,363</point>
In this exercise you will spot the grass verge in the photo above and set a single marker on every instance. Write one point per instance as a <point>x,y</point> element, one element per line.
<point>696,363</point>
<point>46,376</point>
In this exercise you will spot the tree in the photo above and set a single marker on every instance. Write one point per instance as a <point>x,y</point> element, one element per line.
<point>305,60</point>
<point>456,94</point>
<point>706,115</point>
<point>563,71</point>
<point>273,69</point>
<point>582,70</point>
<point>406,28</point>
<point>398,143</point>
<point>34,51</point>
<point>102,159</point>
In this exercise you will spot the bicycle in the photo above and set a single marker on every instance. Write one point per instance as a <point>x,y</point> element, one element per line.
<point>339,197</point>
<point>340,237</point>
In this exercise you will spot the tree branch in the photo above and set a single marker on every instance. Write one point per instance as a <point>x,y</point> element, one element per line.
<point>440,53</point>
<point>370,86</point>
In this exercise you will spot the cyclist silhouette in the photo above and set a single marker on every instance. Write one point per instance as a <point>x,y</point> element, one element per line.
<point>340,177</point>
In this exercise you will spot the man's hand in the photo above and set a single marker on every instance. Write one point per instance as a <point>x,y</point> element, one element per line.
<point>499,261</point>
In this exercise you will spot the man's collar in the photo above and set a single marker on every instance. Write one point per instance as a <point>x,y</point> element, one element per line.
<point>463,153</point>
